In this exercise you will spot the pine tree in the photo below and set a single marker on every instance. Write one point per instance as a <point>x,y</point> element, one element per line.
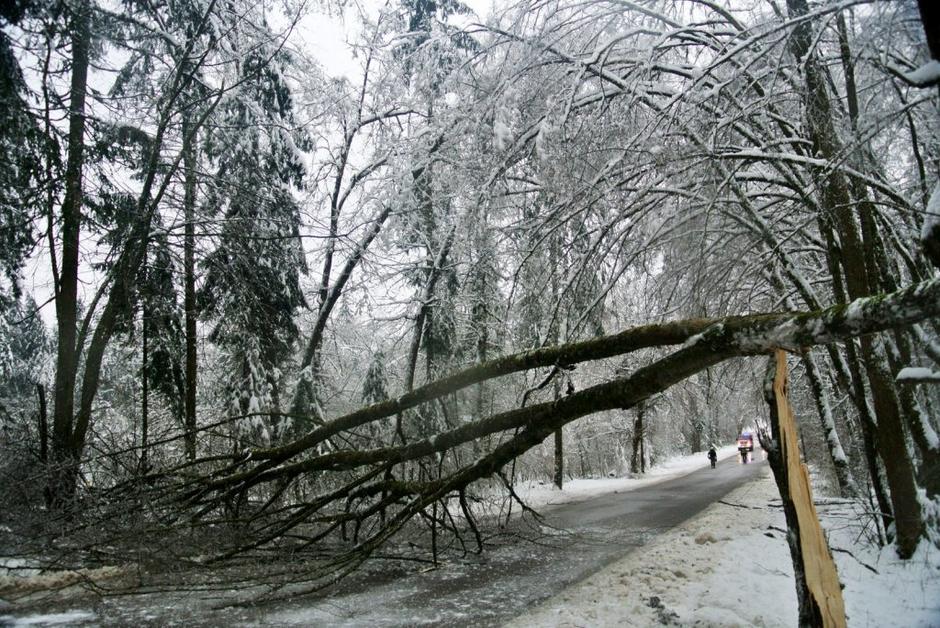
<point>24,428</point>
<point>20,164</point>
<point>162,326</point>
<point>252,279</point>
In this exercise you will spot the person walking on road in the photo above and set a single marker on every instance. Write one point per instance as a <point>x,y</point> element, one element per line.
<point>713,456</point>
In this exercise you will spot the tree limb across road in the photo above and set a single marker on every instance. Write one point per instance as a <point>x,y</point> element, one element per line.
<point>366,489</point>
<point>707,341</point>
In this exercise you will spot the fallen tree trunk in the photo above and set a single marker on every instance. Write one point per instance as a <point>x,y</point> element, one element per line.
<point>741,335</point>
<point>376,492</point>
<point>706,342</point>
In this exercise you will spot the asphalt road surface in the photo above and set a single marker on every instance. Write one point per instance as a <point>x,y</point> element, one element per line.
<point>574,541</point>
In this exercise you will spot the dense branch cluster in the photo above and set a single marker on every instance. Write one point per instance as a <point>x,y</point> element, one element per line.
<point>320,304</point>
<point>369,496</point>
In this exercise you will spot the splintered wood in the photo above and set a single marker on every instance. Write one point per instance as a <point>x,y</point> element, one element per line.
<point>821,577</point>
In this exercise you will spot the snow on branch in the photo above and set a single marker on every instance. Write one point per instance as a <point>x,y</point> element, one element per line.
<point>926,75</point>
<point>917,375</point>
<point>707,342</point>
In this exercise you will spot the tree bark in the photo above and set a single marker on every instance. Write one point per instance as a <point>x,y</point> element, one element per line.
<point>64,457</point>
<point>911,304</point>
<point>637,462</point>
<point>559,475</point>
<point>725,338</point>
<point>883,278</point>
<point>836,200</point>
<point>817,585</point>
<point>189,286</point>
<point>144,397</point>
<point>840,462</point>
<point>43,418</point>
<point>930,18</point>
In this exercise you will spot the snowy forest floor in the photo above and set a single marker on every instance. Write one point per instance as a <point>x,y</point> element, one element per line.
<point>730,566</point>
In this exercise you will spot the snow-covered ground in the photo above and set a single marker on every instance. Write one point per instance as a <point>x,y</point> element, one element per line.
<point>730,566</point>
<point>727,567</point>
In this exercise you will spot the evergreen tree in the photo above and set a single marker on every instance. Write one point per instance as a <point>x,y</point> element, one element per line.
<point>375,384</point>
<point>162,325</point>
<point>24,428</point>
<point>429,56</point>
<point>21,172</point>
<point>24,348</point>
<point>252,279</point>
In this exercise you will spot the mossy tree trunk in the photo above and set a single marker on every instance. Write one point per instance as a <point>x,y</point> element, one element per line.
<point>836,203</point>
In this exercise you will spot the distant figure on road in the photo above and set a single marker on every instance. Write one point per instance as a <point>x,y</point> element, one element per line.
<point>745,445</point>
<point>713,456</point>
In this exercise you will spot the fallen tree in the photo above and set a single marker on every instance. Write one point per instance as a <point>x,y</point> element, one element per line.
<point>304,496</point>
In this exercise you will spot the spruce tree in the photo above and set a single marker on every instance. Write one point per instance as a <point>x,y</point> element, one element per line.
<point>252,289</point>
<point>20,165</point>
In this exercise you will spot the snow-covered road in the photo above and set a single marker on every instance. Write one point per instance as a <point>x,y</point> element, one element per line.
<point>574,541</point>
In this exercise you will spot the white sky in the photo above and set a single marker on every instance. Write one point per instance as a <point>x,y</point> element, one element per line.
<point>326,37</point>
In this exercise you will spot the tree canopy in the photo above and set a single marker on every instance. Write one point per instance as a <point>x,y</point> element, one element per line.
<point>324,306</point>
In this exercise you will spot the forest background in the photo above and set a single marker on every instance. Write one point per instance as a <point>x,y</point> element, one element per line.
<point>240,290</point>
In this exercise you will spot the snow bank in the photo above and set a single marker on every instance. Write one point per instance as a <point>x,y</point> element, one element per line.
<point>730,566</point>
<point>17,584</point>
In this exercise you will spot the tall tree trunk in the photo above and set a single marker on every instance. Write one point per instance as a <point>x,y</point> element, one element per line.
<point>479,315</point>
<point>189,286</point>
<point>637,461</point>
<point>435,271</point>
<point>930,18</point>
<point>837,454</point>
<point>559,467</point>
<point>306,400</point>
<point>840,462</point>
<point>554,334</point>
<point>882,277</point>
<point>849,372</point>
<point>305,393</point>
<point>836,200</point>
<point>817,586</point>
<point>43,420</point>
<point>71,426</point>
<point>144,397</point>
<point>698,429</point>
<point>64,458</point>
